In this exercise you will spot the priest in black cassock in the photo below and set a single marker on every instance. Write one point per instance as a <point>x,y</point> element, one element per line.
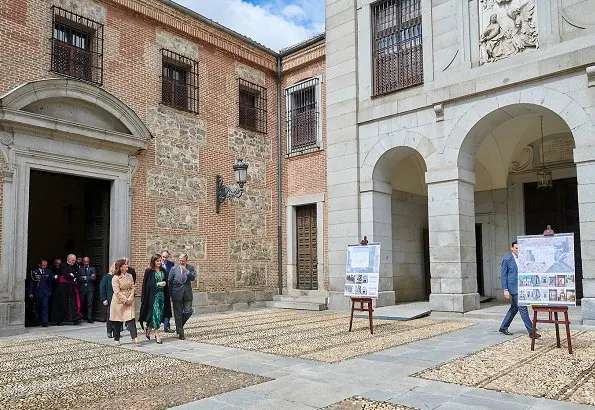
<point>67,305</point>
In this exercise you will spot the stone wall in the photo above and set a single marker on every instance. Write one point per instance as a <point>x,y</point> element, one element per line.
<point>85,8</point>
<point>173,185</point>
<point>175,216</point>
<point>250,225</point>
<point>194,246</point>
<point>409,218</point>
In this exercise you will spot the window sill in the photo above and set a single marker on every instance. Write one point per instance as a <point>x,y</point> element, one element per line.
<point>304,151</point>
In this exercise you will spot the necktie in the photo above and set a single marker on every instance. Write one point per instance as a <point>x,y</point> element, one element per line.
<point>183,275</point>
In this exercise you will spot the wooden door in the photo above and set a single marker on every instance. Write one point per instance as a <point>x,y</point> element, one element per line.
<point>307,257</point>
<point>557,207</point>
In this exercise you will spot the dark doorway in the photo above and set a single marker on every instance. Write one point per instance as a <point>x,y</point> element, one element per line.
<point>307,255</point>
<point>479,258</point>
<point>69,214</point>
<point>557,207</point>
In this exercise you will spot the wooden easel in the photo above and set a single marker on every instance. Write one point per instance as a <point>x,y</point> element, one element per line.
<point>361,301</point>
<point>549,310</point>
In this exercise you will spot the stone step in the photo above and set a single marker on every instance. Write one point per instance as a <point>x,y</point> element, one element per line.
<point>306,299</point>
<point>296,305</point>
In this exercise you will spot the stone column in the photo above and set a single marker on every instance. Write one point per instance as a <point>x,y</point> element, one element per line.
<point>451,220</point>
<point>376,224</point>
<point>342,143</point>
<point>585,174</point>
<point>120,217</point>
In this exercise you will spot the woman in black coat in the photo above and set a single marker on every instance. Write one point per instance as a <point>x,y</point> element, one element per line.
<point>153,298</point>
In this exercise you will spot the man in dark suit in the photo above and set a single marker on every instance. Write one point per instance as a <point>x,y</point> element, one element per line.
<point>130,270</point>
<point>86,283</point>
<point>179,282</point>
<point>166,264</point>
<point>39,287</point>
<point>509,277</point>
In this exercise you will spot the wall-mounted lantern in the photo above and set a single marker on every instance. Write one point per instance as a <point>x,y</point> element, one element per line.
<point>240,169</point>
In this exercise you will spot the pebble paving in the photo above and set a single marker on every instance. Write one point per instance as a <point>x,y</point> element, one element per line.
<point>59,373</point>
<point>362,403</point>
<point>320,336</point>
<point>512,367</point>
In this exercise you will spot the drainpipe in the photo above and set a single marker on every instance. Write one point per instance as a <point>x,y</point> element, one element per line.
<point>279,190</point>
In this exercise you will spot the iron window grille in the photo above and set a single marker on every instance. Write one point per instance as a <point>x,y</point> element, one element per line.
<point>303,103</point>
<point>179,81</point>
<point>397,45</point>
<point>77,46</point>
<point>252,106</point>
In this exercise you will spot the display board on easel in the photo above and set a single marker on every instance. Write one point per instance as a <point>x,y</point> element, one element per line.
<point>546,269</point>
<point>363,270</point>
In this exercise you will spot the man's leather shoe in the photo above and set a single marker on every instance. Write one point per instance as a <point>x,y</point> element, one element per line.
<point>169,331</point>
<point>89,321</point>
<point>505,332</point>
<point>181,337</point>
<point>537,335</point>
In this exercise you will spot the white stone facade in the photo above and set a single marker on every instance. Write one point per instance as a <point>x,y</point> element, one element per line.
<point>453,140</point>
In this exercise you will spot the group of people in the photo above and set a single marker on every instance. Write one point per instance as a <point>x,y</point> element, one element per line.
<point>164,284</point>
<point>64,292</point>
<point>61,293</point>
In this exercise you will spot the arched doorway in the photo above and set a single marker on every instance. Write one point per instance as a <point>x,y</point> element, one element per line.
<point>68,129</point>
<point>401,217</point>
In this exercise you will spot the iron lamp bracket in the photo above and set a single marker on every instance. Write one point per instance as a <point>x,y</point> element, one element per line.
<point>224,192</point>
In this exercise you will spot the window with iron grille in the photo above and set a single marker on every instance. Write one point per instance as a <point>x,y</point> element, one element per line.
<point>77,46</point>
<point>397,45</point>
<point>179,81</point>
<point>304,127</point>
<point>252,106</point>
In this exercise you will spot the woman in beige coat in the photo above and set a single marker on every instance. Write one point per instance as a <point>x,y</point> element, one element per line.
<point>122,305</point>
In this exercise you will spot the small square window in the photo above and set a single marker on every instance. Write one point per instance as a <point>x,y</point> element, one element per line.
<point>179,82</point>
<point>77,46</point>
<point>252,106</point>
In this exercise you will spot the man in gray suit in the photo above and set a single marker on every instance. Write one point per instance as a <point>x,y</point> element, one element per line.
<point>179,282</point>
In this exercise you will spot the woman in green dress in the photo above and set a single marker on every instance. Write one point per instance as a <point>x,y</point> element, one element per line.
<point>153,298</point>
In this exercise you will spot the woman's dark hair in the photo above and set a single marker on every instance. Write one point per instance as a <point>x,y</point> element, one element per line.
<point>153,259</point>
<point>119,264</point>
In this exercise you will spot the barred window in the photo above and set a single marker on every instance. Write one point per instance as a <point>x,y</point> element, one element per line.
<point>252,106</point>
<point>397,45</point>
<point>179,81</point>
<point>77,46</point>
<point>304,127</point>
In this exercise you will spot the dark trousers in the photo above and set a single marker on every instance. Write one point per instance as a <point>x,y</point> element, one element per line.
<point>86,296</point>
<point>42,310</point>
<point>182,312</point>
<point>514,308</point>
<point>108,323</point>
<point>166,324</point>
<point>130,325</point>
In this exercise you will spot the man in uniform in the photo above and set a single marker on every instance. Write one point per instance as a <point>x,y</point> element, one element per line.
<point>39,289</point>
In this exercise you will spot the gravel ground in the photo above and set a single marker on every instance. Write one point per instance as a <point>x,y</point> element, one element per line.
<point>320,336</point>
<point>361,403</point>
<point>512,367</point>
<point>58,373</point>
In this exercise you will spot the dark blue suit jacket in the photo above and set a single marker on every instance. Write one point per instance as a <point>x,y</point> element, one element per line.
<point>509,274</point>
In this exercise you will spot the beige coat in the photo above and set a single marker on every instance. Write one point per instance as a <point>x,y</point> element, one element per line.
<point>123,291</point>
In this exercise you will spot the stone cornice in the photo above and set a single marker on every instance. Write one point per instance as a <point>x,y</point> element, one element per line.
<point>194,28</point>
<point>304,56</point>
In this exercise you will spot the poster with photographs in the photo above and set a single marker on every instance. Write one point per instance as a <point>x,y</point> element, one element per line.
<point>546,270</point>
<point>363,270</point>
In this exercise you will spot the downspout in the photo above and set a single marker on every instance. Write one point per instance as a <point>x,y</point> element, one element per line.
<point>279,173</point>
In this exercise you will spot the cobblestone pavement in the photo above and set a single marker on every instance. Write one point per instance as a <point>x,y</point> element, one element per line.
<point>512,367</point>
<point>381,377</point>
<point>58,373</point>
<point>320,336</point>
<point>362,403</point>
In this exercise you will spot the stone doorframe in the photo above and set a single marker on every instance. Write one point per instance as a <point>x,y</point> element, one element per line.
<point>291,204</point>
<point>61,141</point>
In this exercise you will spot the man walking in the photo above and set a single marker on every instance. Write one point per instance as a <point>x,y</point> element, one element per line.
<point>179,282</point>
<point>508,276</point>
<point>40,289</point>
<point>86,284</point>
<point>166,264</point>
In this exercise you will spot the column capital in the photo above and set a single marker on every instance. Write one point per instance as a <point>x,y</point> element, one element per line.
<point>449,175</point>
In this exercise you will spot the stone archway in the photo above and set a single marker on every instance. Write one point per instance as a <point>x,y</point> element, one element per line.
<point>69,127</point>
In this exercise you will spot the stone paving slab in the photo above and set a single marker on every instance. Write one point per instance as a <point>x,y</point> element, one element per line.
<point>57,373</point>
<point>512,367</point>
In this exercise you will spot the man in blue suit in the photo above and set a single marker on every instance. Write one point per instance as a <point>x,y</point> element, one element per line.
<point>508,276</point>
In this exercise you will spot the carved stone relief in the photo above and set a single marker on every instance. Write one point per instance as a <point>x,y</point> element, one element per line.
<point>507,28</point>
<point>523,160</point>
